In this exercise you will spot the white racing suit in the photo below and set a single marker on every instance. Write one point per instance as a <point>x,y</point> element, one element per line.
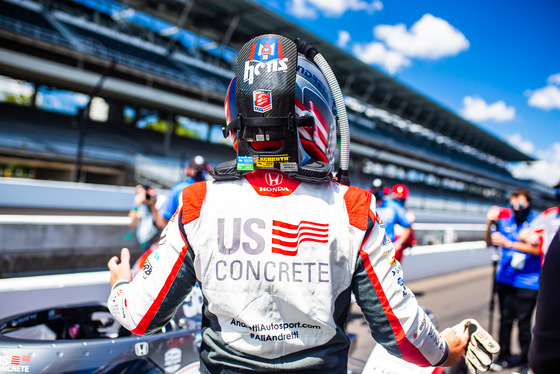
<point>277,260</point>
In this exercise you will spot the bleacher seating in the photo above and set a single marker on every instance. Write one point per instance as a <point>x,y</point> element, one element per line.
<point>27,15</point>
<point>55,136</point>
<point>45,32</point>
<point>114,46</point>
<point>146,50</point>
<point>137,53</point>
<point>393,138</point>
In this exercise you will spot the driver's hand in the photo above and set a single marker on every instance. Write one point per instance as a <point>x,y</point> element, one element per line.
<point>457,339</point>
<point>120,271</point>
<point>481,347</point>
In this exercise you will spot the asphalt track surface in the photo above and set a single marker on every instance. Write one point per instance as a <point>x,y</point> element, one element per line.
<point>451,298</point>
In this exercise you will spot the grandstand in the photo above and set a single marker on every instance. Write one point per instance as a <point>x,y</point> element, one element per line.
<point>176,68</point>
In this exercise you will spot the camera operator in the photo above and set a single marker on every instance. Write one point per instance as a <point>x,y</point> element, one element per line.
<point>142,216</point>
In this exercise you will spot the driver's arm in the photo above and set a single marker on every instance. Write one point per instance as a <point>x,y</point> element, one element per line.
<point>150,300</point>
<point>396,321</point>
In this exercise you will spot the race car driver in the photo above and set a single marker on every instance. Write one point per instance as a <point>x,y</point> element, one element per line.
<point>278,247</point>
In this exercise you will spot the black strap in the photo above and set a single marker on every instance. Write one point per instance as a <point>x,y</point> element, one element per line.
<point>290,122</point>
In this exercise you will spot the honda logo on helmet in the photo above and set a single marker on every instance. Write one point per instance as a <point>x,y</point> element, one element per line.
<point>274,179</point>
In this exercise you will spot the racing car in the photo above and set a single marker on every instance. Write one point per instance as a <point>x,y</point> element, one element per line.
<point>87,339</point>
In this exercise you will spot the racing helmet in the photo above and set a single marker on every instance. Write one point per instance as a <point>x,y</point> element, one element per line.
<point>280,113</point>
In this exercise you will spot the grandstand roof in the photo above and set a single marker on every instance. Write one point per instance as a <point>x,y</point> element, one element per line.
<point>234,22</point>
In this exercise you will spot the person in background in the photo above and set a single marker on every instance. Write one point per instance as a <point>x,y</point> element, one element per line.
<point>517,275</point>
<point>399,193</point>
<point>543,228</point>
<point>391,214</point>
<point>143,214</point>
<point>195,171</point>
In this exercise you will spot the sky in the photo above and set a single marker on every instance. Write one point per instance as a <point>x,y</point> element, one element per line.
<point>494,63</point>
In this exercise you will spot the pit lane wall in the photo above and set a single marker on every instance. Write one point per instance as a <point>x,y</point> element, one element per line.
<point>32,293</point>
<point>37,195</point>
<point>61,226</point>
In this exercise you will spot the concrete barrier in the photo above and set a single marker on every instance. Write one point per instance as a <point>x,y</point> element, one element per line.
<point>433,260</point>
<point>95,226</point>
<point>39,194</point>
<point>44,243</point>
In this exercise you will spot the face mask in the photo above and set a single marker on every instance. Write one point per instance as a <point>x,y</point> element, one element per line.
<point>521,215</point>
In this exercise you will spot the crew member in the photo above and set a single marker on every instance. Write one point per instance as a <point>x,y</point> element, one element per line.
<point>391,213</point>
<point>195,171</point>
<point>517,276</point>
<point>542,229</point>
<point>399,193</point>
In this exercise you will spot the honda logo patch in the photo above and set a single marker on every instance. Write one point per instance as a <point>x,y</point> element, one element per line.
<point>274,179</point>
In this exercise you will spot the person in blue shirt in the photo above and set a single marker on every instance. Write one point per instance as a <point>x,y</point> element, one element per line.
<point>517,275</point>
<point>391,213</point>
<point>196,172</point>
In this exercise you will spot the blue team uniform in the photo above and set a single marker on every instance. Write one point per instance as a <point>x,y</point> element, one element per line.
<point>518,269</point>
<point>172,203</point>
<point>391,213</point>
